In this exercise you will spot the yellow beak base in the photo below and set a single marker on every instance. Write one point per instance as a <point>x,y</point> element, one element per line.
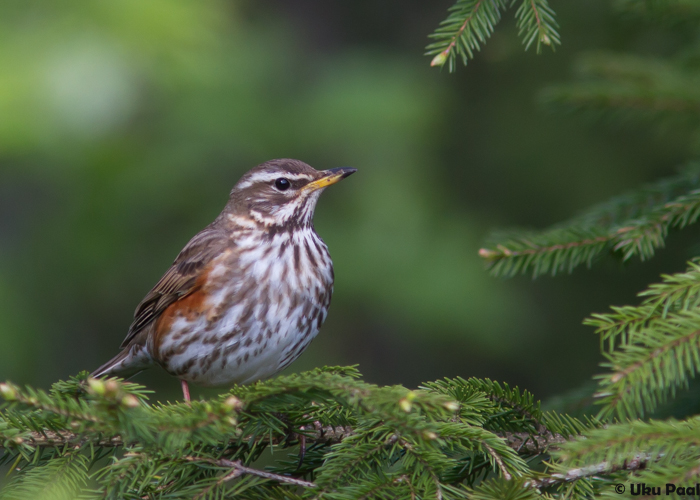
<point>330,177</point>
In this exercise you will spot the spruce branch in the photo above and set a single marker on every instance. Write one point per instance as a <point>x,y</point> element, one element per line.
<point>58,439</point>
<point>634,440</point>
<point>497,459</point>
<point>676,293</point>
<point>521,442</point>
<point>536,24</point>
<point>683,471</point>
<point>492,405</point>
<point>468,25</point>
<point>652,349</point>
<point>649,369</point>
<point>577,473</point>
<point>61,478</point>
<point>471,22</point>
<point>631,225</point>
<point>362,440</point>
<point>655,452</point>
<point>504,490</point>
<point>238,469</point>
<point>533,444</point>
<point>428,442</point>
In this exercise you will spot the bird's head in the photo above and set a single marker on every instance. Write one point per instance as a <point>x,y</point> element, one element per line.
<point>282,192</point>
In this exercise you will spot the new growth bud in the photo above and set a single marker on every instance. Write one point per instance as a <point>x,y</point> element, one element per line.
<point>441,58</point>
<point>130,401</point>
<point>452,405</point>
<point>485,253</point>
<point>112,387</point>
<point>97,386</point>
<point>8,392</point>
<point>232,403</point>
<point>407,403</point>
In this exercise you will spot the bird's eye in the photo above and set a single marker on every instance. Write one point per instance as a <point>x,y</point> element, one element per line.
<point>282,184</point>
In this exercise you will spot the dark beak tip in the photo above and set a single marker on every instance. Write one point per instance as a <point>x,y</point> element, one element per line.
<point>344,171</point>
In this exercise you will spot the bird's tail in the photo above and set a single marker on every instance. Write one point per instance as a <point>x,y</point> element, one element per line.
<point>129,362</point>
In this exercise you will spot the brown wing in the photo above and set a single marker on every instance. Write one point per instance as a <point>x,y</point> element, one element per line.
<point>179,281</point>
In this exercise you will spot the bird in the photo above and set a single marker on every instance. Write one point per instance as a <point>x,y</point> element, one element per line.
<point>247,295</point>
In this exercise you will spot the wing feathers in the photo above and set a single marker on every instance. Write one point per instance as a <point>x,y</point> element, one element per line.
<point>180,280</point>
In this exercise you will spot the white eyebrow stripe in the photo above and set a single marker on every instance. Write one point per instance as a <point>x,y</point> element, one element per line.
<point>271,176</point>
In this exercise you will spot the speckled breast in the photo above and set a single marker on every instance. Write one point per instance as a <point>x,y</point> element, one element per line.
<point>260,304</point>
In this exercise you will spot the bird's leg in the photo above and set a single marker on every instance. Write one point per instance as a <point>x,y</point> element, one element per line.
<point>302,441</point>
<point>185,391</point>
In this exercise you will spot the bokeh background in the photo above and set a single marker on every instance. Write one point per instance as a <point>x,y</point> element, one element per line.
<point>123,126</point>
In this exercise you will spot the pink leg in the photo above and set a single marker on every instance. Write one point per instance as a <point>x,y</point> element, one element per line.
<point>185,391</point>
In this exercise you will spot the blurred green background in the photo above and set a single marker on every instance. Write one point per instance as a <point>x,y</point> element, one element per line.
<point>123,126</point>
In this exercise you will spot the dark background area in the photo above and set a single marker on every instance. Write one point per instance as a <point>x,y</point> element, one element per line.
<point>123,126</point>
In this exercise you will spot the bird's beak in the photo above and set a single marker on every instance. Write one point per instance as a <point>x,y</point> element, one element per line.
<point>330,177</point>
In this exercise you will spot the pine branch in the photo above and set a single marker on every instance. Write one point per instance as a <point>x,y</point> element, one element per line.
<point>635,224</point>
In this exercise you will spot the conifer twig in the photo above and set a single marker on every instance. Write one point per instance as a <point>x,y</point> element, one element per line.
<point>240,469</point>
<point>439,59</point>
<point>531,443</point>
<point>426,436</point>
<point>51,438</point>
<point>577,473</point>
<point>635,224</point>
<point>498,461</point>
